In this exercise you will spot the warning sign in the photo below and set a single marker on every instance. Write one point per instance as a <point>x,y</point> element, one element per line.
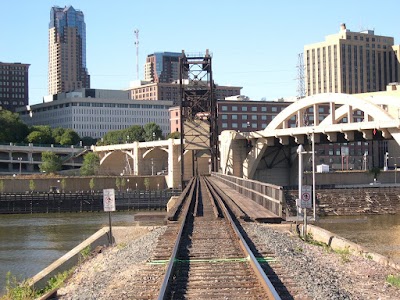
<point>306,200</point>
<point>109,199</point>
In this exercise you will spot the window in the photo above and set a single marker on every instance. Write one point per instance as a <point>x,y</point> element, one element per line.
<point>244,117</point>
<point>224,117</point>
<point>224,108</point>
<point>224,125</point>
<point>234,108</point>
<point>263,109</point>
<point>254,117</point>
<point>254,108</point>
<point>234,125</point>
<point>234,117</point>
<point>244,108</point>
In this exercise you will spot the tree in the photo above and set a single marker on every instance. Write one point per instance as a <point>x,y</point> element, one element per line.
<point>40,134</point>
<point>146,183</point>
<point>174,135</point>
<point>51,162</point>
<point>32,185</point>
<point>63,184</point>
<point>92,184</point>
<point>69,137</point>
<point>88,141</point>
<point>12,128</point>
<point>56,133</point>
<point>90,165</point>
<point>152,132</point>
<point>123,183</point>
<point>118,183</point>
<point>134,133</point>
<point>113,137</point>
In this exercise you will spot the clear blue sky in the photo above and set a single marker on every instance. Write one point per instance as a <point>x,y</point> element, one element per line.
<point>255,44</point>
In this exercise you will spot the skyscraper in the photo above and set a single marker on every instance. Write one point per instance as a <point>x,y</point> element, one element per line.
<point>67,51</point>
<point>162,67</point>
<point>13,85</point>
<point>351,62</point>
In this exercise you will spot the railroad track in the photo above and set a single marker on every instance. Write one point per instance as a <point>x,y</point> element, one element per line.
<point>211,259</point>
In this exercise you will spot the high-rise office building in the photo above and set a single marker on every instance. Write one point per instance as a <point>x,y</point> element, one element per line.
<point>351,62</point>
<point>67,50</point>
<point>162,67</point>
<point>13,85</point>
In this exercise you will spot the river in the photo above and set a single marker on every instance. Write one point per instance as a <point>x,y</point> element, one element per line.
<point>29,243</point>
<point>379,233</point>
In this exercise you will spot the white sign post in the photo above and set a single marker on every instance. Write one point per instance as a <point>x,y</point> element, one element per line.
<point>109,205</point>
<point>306,199</point>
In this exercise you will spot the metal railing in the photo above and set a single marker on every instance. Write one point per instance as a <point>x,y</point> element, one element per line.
<point>267,195</point>
<point>83,201</point>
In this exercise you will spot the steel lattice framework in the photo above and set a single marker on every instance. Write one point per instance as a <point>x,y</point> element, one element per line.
<point>198,108</point>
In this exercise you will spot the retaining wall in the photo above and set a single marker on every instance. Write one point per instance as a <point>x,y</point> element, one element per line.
<point>351,201</point>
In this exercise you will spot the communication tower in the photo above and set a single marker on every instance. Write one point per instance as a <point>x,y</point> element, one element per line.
<point>136,31</point>
<point>301,91</point>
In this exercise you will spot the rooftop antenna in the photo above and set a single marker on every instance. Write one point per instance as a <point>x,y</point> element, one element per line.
<point>136,31</point>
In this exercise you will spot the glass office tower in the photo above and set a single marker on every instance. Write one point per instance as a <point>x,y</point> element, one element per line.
<point>67,50</point>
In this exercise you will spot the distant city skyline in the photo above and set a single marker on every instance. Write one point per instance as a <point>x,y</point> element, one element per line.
<point>255,45</point>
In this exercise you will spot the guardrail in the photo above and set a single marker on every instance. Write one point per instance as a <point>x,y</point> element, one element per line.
<point>268,195</point>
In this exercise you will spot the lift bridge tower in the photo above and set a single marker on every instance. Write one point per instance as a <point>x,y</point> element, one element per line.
<point>198,109</point>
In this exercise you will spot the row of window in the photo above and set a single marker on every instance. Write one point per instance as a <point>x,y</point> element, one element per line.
<point>115,105</point>
<point>247,117</point>
<point>252,108</point>
<point>243,125</point>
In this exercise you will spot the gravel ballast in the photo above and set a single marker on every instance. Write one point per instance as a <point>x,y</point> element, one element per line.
<point>321,274</point>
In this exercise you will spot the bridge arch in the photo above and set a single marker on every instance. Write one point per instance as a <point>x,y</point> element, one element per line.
<point>376,110</point>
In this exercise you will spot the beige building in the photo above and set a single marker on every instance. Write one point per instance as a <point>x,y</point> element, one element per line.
<point>143,90</point>
<point>67,51</point>
<point>351,62</point>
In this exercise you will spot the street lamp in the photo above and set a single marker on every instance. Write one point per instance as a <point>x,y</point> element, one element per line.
<point>20,164</point>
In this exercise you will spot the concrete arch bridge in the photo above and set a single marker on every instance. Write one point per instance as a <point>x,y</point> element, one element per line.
<point>270,155</point>
<point>153,158</point>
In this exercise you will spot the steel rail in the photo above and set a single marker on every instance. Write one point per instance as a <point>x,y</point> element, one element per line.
<point>264,280</point>
<point>171,263</point>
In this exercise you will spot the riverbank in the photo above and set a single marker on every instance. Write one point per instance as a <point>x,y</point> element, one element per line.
<point>321,274</point>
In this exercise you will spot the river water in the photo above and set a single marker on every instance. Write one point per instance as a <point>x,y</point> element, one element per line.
<point>29,243</point>
<point>379,233</point>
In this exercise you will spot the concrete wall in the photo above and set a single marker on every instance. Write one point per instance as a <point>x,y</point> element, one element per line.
<point>352,201</point>
<point>20,183</point>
